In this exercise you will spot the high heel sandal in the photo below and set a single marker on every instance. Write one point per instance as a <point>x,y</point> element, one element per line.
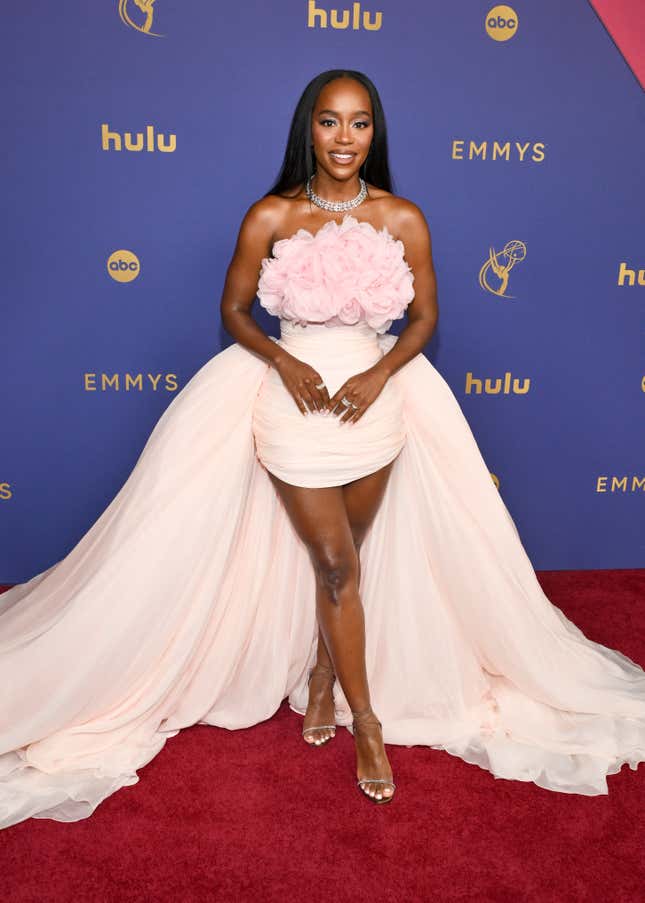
<point>320,671</point>
<point>361,781</point>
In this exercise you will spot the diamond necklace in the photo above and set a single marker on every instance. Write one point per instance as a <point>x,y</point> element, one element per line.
<point>336,205</point>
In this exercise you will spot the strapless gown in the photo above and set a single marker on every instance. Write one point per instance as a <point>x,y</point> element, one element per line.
<point>191,598</point>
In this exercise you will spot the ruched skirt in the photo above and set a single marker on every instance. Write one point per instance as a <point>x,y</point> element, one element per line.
<point>317,449</point>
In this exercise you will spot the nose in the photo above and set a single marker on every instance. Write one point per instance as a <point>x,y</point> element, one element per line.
<point>344,137</point>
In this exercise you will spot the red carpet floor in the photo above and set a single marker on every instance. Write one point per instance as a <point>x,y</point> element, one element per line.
<point>256,815</point>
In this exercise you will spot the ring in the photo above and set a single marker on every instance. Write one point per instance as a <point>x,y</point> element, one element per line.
<point>348,403</point>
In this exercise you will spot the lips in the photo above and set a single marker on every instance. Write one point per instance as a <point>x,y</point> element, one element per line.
<point>342,159</point>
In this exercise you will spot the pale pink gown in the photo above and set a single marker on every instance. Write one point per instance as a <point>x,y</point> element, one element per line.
<point>191,599</point>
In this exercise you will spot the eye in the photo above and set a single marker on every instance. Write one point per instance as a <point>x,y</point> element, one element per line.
<point>358,122</point>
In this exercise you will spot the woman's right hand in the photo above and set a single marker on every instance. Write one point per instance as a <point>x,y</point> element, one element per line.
<point>300,381</point>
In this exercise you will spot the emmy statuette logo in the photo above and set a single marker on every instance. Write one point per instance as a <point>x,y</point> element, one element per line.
<point>143,18</point>
<point>123,266</point>
<point>320,18</point>
<point>493,276</point>
<point>501,23</point>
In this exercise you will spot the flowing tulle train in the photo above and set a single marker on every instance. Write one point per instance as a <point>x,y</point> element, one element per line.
<point>191,600</point>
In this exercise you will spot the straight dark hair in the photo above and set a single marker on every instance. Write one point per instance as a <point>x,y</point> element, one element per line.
<point>299,161</point>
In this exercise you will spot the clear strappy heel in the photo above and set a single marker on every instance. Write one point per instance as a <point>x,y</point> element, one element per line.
<point>378,798</point>
<point>320,671</point>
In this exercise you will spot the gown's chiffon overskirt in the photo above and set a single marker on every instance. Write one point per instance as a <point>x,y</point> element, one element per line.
<point>191,598</point>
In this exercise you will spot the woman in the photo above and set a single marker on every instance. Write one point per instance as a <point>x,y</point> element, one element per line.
<point>331,509</point>
<point>190,600</point>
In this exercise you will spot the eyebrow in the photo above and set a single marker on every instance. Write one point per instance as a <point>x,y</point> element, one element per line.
<point>335,113</point>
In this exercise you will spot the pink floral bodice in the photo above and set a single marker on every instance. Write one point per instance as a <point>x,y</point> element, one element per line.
<point>342,274</point>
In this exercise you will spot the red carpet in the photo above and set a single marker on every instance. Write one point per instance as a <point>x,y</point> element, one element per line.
<point>257,815</point>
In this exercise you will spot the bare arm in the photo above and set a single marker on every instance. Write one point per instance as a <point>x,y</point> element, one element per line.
<point>241,283</point>
<point>423,312</point>
<point>254,242</point>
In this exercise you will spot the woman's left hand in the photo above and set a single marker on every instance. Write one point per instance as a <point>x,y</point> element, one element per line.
<point>361,389</point>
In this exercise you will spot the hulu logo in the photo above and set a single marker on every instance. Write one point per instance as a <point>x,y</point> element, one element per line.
<point>627,276</point>
<point>318,18</point>
<point>502,386</point>
<point>114,141</point>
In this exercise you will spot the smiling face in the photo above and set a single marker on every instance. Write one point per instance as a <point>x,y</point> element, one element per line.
<point>342,128</point>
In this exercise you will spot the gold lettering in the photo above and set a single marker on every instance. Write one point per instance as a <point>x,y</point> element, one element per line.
<point>106,381</point>
<point>313,12</point>
<point>538,152</point>
<point>5,491</point>
<point>625,273</point>
<point>457,149</point>
<point>339,23</point>
<point>107,136</point>
<point>368,25</point>
<point>133,381</point>
<point>488,386</point>
<point>171,382</point>
<point>497,386</point>
<point>477,150</point>
<point>471,383</point>
<point>90,382</point>
<point>501,150</point>
<point>638,483</point>
<point>168,148</point>
<point>130,145</point>
<point>522,148</point>
<point>618,483</point>
<point>601,484</point>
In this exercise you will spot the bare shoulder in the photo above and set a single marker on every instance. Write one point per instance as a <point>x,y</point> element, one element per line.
<point>261,222</point>
<point>403,218</point>
<point>408,221</point>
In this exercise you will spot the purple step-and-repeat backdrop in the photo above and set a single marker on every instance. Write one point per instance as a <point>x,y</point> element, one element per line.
<point>139,132</point>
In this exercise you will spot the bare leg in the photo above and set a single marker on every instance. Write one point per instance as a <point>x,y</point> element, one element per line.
<point>362,500</point>
<point>320,518</point>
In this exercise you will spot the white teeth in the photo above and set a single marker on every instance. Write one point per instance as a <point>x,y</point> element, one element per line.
<point>342,156</point>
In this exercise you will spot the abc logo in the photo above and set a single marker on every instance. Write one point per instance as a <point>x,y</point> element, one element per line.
<point>501,23</point>
<point>123,266</point>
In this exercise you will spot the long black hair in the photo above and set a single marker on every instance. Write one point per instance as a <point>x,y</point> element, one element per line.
<point>299,161</point>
